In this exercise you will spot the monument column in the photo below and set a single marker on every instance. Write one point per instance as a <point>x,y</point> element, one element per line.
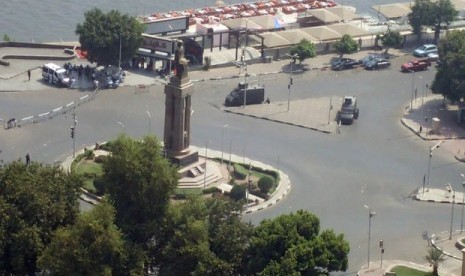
<point>178,93</point>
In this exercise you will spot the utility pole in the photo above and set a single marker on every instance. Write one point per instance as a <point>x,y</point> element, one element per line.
<point>73,133</point>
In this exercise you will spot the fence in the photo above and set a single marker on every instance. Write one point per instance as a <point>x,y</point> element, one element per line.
<point>34,119</point>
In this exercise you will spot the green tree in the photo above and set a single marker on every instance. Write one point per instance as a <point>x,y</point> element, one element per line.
<point>436,14</point>
<point>346,45</point>
<point>392,39</point>
<point>238,192</point>
<point>434,258</point>
<point>292,245</point>
<point>102,34</point>
<point>36,200</point>
<point>450,77</point>
<point>265,184</point>
<point>442,16</point>
<point>419,16</point>
<point>202,237</point>
<point>140,181</point>
<point>91,246</point>
<point>304,49</point>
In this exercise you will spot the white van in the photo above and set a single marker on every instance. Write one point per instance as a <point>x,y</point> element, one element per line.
<point>55,74</point>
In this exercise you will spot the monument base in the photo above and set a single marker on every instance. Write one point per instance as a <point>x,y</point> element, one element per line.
<point>184,159</point>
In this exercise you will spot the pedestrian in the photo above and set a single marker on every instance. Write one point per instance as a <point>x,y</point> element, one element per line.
<point>28,159</point>
<point>29,74</point>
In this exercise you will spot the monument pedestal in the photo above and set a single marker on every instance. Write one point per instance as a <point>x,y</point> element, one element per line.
<point>183,159</point>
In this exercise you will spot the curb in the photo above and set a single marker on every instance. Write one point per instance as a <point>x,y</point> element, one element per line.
<point>433,243</point>
<point>277,121</point>
<point>269,203</point>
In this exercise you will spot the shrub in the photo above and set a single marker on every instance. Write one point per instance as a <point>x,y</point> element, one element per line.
<point>99,185</point>
<point>108,146</point>
<point>100,159</point>
<point>89,154</point>
<point>237,192</point>
<point>265,183</point>
<point>240,172</point>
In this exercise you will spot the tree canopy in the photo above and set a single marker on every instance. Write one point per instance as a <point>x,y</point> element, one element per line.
<point>140,182</point>
<point>450,77</point>
<point>101,35</point>
<point>346,45</point>
<point>304,49</point>
<point>35,200</point>
<point>392,39</point>
<point>91,246</point>
<point>293,245</point>
<point>435,14</point>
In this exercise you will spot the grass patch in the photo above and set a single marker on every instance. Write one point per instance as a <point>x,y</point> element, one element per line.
<point>407,271</point>
<point>184,192</point>
<point>89,170</point>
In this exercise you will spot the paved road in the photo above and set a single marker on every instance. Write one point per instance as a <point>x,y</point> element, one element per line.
<point>375,162</point>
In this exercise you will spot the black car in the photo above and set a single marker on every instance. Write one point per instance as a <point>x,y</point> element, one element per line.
<point>344,63</point>
<point>377,63</point>
<point>368,58</point>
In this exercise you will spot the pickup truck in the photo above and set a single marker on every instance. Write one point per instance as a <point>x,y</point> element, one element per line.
<point>415,65</point>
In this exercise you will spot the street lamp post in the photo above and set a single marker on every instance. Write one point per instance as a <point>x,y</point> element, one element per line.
<point>413,89</point>
<point>150,121</point>
<point>205,171</point>
<point>431,148</point>
<point>73,133</point>
<point>370,215</point>
<point>463,201</point>
<point>222,140</point>
<point>291,80</point>
<point>450,190</point>
<point>249,184</point>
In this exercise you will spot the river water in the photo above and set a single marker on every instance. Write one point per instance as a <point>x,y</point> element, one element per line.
<point>55,20</point>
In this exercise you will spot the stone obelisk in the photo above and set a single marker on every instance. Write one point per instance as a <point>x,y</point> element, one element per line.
<point>178,93</point>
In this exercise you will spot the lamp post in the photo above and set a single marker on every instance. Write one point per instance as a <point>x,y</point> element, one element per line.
<point>73,133</point>
<point>205,171</point>
<point>249,184</point>
<point>370,215</point>
<point>294,57</point>
<point>450,190</point>
<point>463,201</point>
<point>431,148</point>
<point>222,140</point>
<point>413,89</point>
<point>150,121</point>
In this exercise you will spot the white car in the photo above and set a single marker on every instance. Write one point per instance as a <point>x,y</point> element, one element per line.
<point>425,50</point>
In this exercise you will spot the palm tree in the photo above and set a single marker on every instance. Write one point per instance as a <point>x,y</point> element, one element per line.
<point>434,257</point>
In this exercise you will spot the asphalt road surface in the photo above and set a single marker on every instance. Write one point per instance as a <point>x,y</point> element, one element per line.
<point>374,162</point>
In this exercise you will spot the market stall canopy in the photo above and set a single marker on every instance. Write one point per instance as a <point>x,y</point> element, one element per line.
<point>345,12</point>
<point>262,22</point>
<point>345,28</point>
<point>296,35</point>
<point>241,23</point>
<point>322,33</point>
<point>324,15</point>
<point>273,39</point>
<point>392,11</point>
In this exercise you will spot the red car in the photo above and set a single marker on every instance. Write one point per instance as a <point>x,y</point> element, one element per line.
<point>415,65</point>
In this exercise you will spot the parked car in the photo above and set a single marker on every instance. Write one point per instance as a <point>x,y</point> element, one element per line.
<point>368,58</point>
<point>424,50</point>
<point>377,63</point>
<point>415,65</point>
<point>433,56</point>
<point>344,63</point>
